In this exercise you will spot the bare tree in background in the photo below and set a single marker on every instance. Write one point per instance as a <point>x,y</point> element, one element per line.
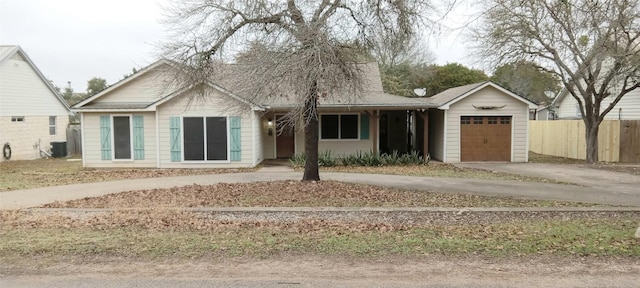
<point>592,46</point>
<point>300,49</point>
<point>391,50</point>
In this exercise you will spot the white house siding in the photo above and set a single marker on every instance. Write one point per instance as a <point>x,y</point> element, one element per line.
<point>436,134</point>
<point>489,96</point>
<point>627,109</point>
<point>143,89</point>
<point>567,108</point>
<point>339,147</point>
<point>23,93</point>
<point>91,151</point>
<point>629,103</point>
<point>217,104</point>
<point>22,136</point>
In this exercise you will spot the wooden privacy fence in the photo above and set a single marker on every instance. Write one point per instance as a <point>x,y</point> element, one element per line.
<point>618,140</point>
<point>74,141</point>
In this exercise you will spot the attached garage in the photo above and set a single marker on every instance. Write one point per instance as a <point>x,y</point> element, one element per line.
<point>479,122</point>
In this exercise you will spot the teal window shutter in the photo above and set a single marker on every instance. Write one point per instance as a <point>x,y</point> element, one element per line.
<point>364,126</point>
<point>138,137</point>
<point>174,134</point>
<point>236,142</point>
<point>105,137</point>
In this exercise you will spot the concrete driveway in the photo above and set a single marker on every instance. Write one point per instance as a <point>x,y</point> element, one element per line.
<point>593,186</point>
<point>614,182</point>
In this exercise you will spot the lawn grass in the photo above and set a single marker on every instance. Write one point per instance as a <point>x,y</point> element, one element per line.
<point>438,170</point>
<point>582,237</point>
<point>298,194</point>
<point>24,174</point>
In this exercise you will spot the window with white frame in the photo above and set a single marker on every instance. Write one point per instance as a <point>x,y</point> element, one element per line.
<point>17,118</point>
<point>339,126</point>
<point>52,125</point>
<point>121,137</point>
<point>205,138</point>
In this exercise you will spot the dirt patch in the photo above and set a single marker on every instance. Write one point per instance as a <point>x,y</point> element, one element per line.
<point>296,194</point>
<point>305,271</point>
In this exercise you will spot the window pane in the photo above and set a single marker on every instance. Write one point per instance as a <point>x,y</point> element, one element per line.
<point>329,129</point>
<point>121,137</point>
<point>193,136</point>
<point>52,125</point>
<point>348,126</point>
<point>216,138</point>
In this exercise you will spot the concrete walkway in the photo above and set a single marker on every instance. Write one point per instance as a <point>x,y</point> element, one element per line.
<point>616,190</point>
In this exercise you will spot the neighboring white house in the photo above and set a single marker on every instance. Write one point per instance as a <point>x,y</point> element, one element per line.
<point>31,111</point>
<point>628,108</point>
<point>133,123</point>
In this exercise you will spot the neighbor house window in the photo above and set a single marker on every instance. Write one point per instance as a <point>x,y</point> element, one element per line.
<point>578,112</point>
<point>17,118</point>
<point>339,126</point>
<point>205,138</point>
<point>52,125</point>
<point>121,137</point>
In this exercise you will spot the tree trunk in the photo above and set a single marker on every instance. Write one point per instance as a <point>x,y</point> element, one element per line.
<point>311,172</point>
<point>591,137</point>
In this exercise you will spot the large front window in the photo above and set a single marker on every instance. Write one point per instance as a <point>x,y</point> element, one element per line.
<point>339,126</point>
<point>121,137</point>
<point>205,138</point>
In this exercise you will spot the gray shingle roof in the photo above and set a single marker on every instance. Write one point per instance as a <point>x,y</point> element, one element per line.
<point>451,94</point>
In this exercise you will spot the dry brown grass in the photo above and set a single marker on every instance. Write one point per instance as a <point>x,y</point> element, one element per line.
<point>630,168</point>
<point>17,175</point>
<point>296,194</point>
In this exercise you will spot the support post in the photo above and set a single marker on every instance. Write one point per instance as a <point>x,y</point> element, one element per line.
<point>425,121</point>
<point>374,116</point>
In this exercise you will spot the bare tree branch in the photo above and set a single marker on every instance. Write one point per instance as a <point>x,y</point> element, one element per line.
<point>593,46</point>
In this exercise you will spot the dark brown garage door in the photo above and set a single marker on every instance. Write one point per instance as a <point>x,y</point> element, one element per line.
<point>485,138</point>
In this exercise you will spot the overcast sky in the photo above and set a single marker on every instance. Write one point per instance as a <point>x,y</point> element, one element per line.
<point>76,40</point>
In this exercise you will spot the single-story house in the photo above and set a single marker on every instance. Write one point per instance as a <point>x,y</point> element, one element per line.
<point>135,123</point>
<point>32,112</point>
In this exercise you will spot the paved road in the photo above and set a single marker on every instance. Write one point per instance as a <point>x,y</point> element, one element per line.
<point>594,186</point>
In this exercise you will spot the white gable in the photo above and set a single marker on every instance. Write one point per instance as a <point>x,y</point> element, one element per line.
<point>23,91</point>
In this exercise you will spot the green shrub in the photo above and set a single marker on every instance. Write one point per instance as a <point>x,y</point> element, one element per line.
<point>411,158</point>
<point>371,159</point>
<point>298,160</point>
<point>391,159</point>
<point>325,159</point>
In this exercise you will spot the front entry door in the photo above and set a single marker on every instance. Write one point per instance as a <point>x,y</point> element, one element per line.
<point>285,140</point>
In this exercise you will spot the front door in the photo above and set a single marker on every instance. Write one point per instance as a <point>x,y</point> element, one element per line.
<point>285,139</point>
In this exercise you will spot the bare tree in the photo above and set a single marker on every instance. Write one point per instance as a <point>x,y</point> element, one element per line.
<point>300,49</point>
<point>392,50</point>
<point>592,46</point>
